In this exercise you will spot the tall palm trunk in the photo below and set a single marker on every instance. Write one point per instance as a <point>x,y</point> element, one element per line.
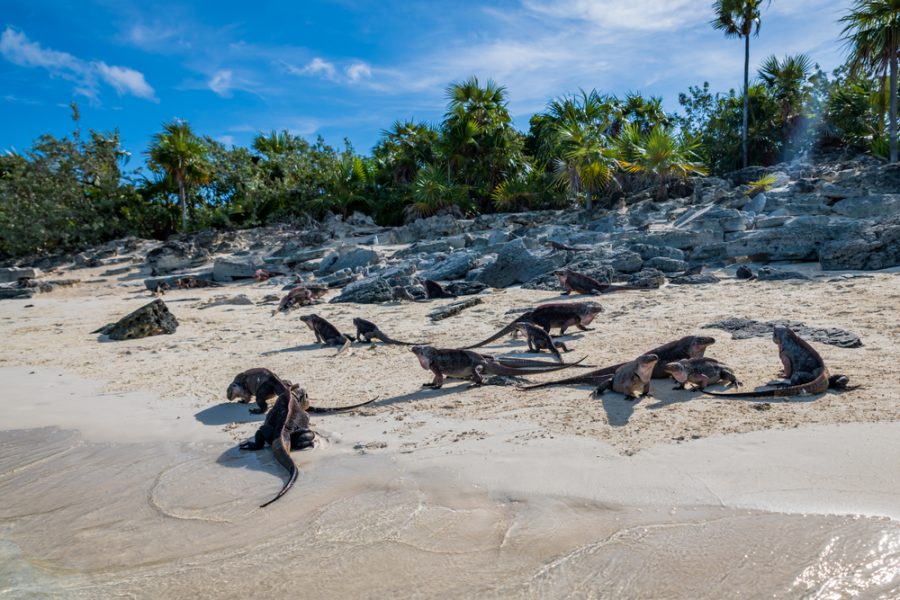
<point>183,198</point>
<point>893,49</point>
<point>746,131</point>
<point>588,200</point>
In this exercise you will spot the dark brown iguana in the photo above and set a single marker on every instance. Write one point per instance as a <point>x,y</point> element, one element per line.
<point>286,427</point>
<point>572,281</point>
<point>803,367</point>
<point>701,372</point>
<point>366,331</point>
<point>465,364</point>
<point>691,346</point>
<point>326,333</point>
<point>434,290</point>
<point>538,340</point>
<point>547,316</point>
<point>299,296</point>
<point>262,384</point>
<point>190,282</point>
<point>632,379</point>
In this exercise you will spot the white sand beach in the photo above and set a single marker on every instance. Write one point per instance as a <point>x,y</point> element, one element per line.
<point>120,474</point>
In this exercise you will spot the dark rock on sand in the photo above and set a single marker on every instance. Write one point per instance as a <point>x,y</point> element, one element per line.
<point>150,319</point>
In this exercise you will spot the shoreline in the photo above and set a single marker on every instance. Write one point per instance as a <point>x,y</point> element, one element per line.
<point>492,488</point>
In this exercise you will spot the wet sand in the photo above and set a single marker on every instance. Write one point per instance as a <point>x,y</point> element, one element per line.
<point>120,476</point>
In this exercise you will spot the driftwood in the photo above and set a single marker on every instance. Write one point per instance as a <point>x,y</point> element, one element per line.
<point>453,308</point>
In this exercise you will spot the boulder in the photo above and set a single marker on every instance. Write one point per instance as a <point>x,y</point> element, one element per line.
<point>425,229</point>
<point>236,267</point>
<point>666,265</point>
<point>353,259</point>
<point>648,278</point>
<point>772,274</point>
<point>151,283</point>
<point>877,248</point>
<point>626,262</point>
<point>798,239</point>
<point>515,264</point>
<point>709,253</point>
<point>698,279</point>
<point>454,266</point>
<point>836,192</point>
<point>771,221</point>
<point>373,290</point>
<point>426,247</point>
<point>647,252</point>
<point>12,292</point>
<point>713,218</point>
<point>682,239</point>
<point>292,256</point>
<point>757,204</point>
<point>869,207</point>
<point>13,274</point>
<point>150,319</point>
<point>175,256</point>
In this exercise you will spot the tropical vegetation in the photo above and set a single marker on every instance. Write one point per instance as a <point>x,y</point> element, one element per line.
<point>585,149</point>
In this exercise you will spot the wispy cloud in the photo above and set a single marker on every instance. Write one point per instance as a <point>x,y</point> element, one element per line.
<point>221,82</point>
<point>125,80</point>
<point>647,15</point>
<point>18,49</point>
<point>316,67</point>
<point>357,71</point>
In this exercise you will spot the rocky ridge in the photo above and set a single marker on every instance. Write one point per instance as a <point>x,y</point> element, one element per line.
<point>844,215</point>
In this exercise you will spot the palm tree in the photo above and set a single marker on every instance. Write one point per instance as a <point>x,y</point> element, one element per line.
<point>788,81</point>
<point>181,155</point>
<point>278,143</point>
<point>660,154</point>
<point>433,191</point>
<point>587,162</point>
<point>740,18</point>
<point>872,33</point>
<point>404,148</point>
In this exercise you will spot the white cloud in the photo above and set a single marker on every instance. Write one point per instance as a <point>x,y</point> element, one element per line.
<point>228,140</point>
<point>358,71</point>
<point>19,50</point>
<point>221,83</point>
<point>316,66</point>
<point>125,80</point>
<point>646,15</point>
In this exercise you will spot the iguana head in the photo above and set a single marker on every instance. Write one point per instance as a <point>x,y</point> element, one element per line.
<point>677,370</point>
<point>237,390</point>
<point>588,311</point>
<point>424,354</point>
<point>309,320</point>
<point>646,364</point>
<point>698,344</point>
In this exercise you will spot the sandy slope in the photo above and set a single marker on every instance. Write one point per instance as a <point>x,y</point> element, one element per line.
<point>213,344</point>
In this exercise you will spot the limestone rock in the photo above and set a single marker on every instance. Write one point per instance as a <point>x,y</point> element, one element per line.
<point>454,266</point>
<point>373,290</point>
<point>150,319</point>
<point>515,264</point>
<point>877,248</point>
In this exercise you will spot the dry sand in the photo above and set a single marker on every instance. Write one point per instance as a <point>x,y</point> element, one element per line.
<point>119,471</point>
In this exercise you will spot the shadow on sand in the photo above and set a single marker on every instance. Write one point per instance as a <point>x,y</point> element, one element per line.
<point>301,348</point>
<point>228,412</point>
<point>449,387</point>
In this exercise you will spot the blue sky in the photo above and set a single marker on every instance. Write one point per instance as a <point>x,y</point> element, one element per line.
<point>349,68</point>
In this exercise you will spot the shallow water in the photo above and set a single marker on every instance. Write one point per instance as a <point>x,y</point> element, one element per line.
<point>125,496</point>
<point>83,519</point>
